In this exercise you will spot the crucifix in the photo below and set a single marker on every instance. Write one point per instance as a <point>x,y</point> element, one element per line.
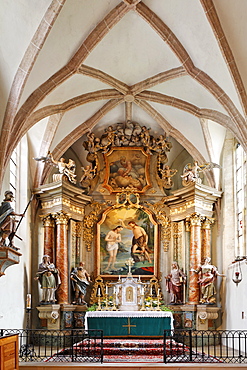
<point>129,326</point>
<point>130,262</point>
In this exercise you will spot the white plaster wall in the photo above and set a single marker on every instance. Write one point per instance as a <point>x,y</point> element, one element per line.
<point>15,284</point>
<point>236,299</point>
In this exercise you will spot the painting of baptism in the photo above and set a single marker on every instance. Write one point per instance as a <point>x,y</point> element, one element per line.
<point>123,233</point>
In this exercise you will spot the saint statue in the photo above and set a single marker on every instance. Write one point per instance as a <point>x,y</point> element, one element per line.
<point>139,249</point>
<point>7,221</point>
<point>207,275</point>
<point>49,279</point>
<point>80,282</point>
<point>174,284</point>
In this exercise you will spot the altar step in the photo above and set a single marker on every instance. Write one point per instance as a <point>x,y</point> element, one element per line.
<point>133,347</point>
<point>127,350</point>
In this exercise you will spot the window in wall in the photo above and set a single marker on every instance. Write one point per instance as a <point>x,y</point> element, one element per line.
<point>241,199</point>
<point>14,170</point>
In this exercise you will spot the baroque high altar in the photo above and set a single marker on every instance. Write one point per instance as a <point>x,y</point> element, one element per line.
<point>122,208</point>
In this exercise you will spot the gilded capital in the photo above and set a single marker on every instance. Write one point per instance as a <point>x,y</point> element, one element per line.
<point>207,222</point>
<point>48,221</point>
<point>61,218</point>
<point>195,219</point>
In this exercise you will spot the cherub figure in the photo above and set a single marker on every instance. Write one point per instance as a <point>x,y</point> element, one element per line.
<point>145,138</point>
<point>87,176</point>
<point>167,173</point>
<point>107,139</point>
<point>90,144</point>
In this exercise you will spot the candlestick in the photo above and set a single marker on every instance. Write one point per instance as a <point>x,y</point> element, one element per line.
<point>114,307</point>
<point>158,304</point>
<point>99,304</point>
<point>143,308</point>
<point>28,301</point>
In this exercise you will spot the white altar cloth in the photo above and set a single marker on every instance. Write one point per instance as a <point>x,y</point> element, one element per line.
<point>128,314</point>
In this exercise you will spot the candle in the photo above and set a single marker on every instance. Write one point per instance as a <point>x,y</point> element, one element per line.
<point>158,291</point>
<point>98,292</point>
<point>139,277</point>
<point>114,290</point>
<point>28,300</point>
<point>106,289</point>
<point>150,290</point>
<point>118,277</point>
<point>143,290</point>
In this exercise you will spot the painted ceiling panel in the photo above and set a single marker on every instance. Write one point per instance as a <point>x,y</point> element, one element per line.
<point>188,125</point>
<point>217,133</point>
<point>74,86</point>
<point>79,115</point>
<point>191,27</point>
<point>132,51</point>
<point>188,89</point>
<point>76,20</point>
<point>14,37</point>
<point>232,15</point>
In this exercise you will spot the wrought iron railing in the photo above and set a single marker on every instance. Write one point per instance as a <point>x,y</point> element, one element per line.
<point>58,345</point>
<point>222,346</point>
<point>218,346</point>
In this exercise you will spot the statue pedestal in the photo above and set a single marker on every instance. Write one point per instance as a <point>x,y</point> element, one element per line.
<point>51,313</point>
<point>8,257</point>
<point>205,313</point>
<point>196,317</point>
<point>66,316</point>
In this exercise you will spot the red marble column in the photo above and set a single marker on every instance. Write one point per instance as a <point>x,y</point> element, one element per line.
<point>49,226</point>
<point>195,257</point>
<point>206,237</point>
<point>62,256</point>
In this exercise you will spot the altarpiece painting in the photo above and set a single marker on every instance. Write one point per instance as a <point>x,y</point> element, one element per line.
<point>144,255</point>
<point>127,167</point>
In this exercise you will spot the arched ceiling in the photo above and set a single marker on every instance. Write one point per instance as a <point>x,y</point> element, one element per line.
<point>70,66</point>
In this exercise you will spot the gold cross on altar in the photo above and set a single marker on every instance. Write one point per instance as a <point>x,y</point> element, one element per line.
<point>129,326</point>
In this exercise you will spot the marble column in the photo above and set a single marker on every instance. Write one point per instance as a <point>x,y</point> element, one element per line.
<point>49,225</point>
<point>62,256</point>
<point>206,237</point>
<point>195,257</point>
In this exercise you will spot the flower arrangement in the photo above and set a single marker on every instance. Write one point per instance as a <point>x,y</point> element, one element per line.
<point>151,302</point>
<point>93,307</point>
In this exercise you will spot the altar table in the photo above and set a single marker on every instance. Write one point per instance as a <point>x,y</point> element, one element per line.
<point>130,323</point>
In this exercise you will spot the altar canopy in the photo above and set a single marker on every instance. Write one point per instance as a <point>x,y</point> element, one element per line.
<point>130,323</point>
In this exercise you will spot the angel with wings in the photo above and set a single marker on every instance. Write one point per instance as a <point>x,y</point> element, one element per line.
<point>191,172</point>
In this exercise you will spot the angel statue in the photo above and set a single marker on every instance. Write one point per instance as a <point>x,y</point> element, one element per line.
<point>67,169</point>
<point>191,172</point>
